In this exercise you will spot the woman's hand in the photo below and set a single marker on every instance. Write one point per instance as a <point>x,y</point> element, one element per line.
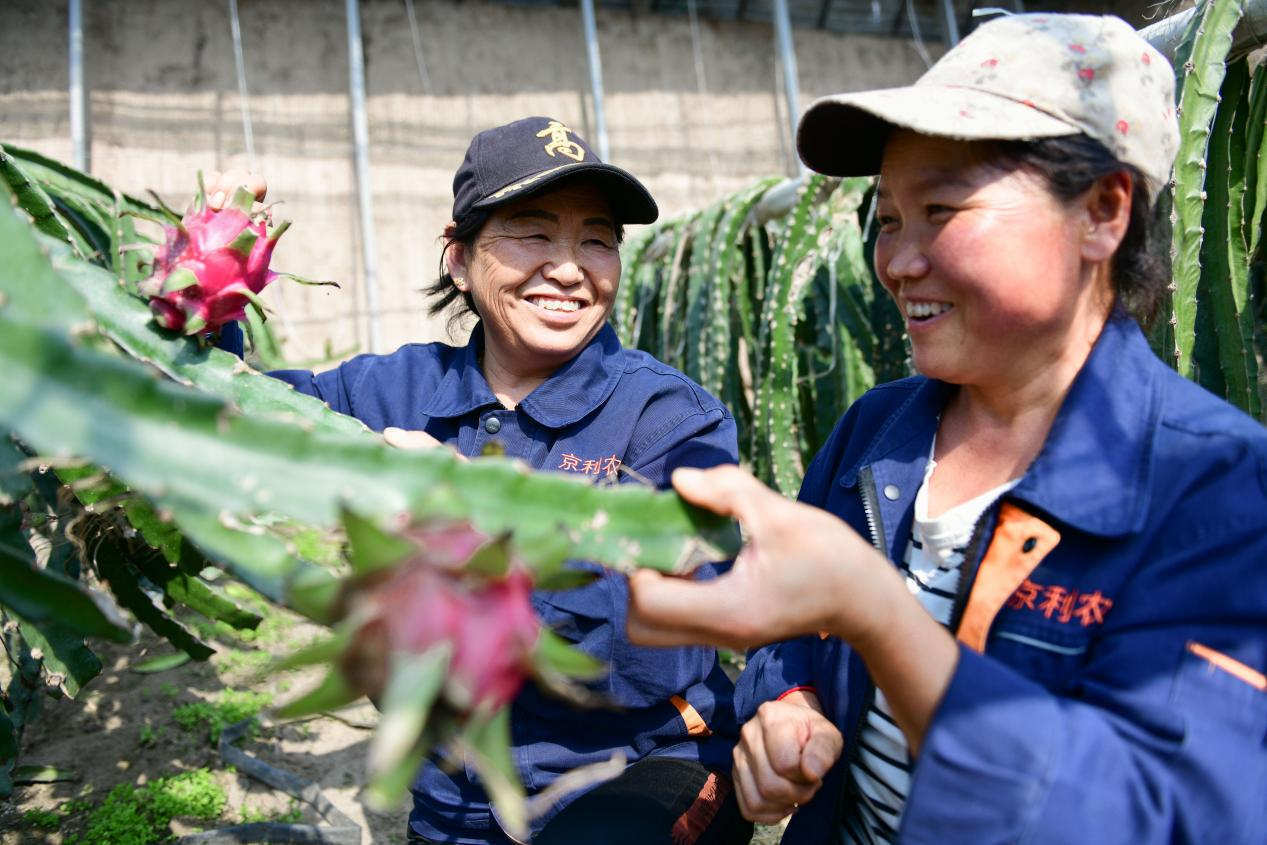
<point>220,186</point>
<point>782,755</point>
<point>802,571</point>
<point>413,439</point>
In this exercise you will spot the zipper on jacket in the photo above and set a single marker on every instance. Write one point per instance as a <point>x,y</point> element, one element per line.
<point>968,570</point>
<point>871,509</point>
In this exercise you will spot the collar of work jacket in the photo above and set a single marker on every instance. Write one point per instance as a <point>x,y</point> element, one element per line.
<point>1102,435</point>
<point>570,394</point>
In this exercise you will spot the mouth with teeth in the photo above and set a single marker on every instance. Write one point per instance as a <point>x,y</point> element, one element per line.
<point>555,304</point>
<point>921,311</point>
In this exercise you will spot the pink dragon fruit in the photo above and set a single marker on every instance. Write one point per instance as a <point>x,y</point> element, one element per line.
<point>490,626</point>
<point>436,625</point>
<point>487,622</point>
<point>211,265</point>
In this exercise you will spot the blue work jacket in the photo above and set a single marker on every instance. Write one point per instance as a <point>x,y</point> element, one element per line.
<point>1112,619</point>
<point>608,407</point>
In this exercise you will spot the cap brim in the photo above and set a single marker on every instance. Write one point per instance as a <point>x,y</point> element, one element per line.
<point>844,135</point>
<point>630,201</point>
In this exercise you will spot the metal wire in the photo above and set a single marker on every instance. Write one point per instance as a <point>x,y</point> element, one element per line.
<point>247,133</point>
<point>917,39</point>
<point>361,159</point>
<point>422,65</point>
<point>701,84</point>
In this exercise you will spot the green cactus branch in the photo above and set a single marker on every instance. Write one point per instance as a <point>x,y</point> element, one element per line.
<point>774,290</point>
<point>185,450</point>
<point>1203,72</point>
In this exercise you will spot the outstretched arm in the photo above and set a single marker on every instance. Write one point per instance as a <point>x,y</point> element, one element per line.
<point>802,571</point>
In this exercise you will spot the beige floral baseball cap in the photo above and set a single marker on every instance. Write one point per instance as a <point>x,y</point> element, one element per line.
<point>1019,77</point>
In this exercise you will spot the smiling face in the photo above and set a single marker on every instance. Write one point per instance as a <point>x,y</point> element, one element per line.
<point>990,270</point>
<point>544,272</point>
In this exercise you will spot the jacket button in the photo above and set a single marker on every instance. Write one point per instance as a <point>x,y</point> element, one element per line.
<point>891,492</point>
<point>492,425</point>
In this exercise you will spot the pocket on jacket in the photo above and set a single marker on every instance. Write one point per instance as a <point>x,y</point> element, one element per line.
<point>1212,684</point>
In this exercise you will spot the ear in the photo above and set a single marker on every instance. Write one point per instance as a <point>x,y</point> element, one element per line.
<point>455,258</point>
<point>1107,210</point>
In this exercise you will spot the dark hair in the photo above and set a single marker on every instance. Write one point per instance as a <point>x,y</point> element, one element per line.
<point>1070,165</point>
<point>443,291</point>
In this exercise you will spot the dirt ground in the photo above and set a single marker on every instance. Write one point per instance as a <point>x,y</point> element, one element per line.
<point>122,730</point>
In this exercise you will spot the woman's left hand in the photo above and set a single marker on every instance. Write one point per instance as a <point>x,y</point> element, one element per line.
<point>802,571</point>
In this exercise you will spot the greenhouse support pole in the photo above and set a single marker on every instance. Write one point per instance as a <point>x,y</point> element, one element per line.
<point>361,147</point>
<point>595,62</point>
<point>949,24</point>
<point>78,98</point>
<point>787,55</point>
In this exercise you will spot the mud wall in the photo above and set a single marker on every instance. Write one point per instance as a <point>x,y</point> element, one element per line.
<point>164,103</point>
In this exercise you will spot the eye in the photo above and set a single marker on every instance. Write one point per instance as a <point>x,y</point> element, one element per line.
<point>887,222</point>
<point>937,212</point>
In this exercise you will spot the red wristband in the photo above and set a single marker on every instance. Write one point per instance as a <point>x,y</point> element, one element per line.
<point>806,687</point>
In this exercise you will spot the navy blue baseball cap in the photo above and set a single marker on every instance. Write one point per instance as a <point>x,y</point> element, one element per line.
<point>529,155</point>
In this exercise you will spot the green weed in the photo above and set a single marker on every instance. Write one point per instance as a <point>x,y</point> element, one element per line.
<point>229,707</point>
<point>275,622</point>
<point>237,661</point>
<point>293,815</point>
<point>139,815</point>
<point>149,736</point>
<point>42,819</point>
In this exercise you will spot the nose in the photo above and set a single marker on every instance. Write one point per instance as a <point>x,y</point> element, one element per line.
<point>905,260</point>
<point>564,267</point>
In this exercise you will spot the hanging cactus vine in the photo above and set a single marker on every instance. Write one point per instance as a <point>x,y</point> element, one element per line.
<point>778,302</point>
<point>799,327</point>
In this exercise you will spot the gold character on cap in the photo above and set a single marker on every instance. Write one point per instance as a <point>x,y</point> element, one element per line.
<point>559,141</point>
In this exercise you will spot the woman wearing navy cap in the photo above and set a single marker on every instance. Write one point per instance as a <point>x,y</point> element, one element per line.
<point>533,252</point>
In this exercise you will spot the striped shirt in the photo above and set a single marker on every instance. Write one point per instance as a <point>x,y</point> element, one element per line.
<point>880,768</point>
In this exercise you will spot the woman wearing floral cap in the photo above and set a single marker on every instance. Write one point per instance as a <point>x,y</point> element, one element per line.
<point>1030,583</point>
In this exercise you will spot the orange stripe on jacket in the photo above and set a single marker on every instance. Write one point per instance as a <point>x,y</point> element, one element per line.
<point>1230,665</point>
<point>695,724</point>
<point>1005,565</point>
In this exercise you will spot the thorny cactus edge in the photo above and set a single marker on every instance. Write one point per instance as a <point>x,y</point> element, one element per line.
<point>438,629</point>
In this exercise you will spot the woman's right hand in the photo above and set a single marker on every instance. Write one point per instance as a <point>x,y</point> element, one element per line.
<point>220,186</point>
<point>782,755</point>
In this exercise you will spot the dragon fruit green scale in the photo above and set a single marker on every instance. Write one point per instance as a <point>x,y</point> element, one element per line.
<point>209,267</point>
